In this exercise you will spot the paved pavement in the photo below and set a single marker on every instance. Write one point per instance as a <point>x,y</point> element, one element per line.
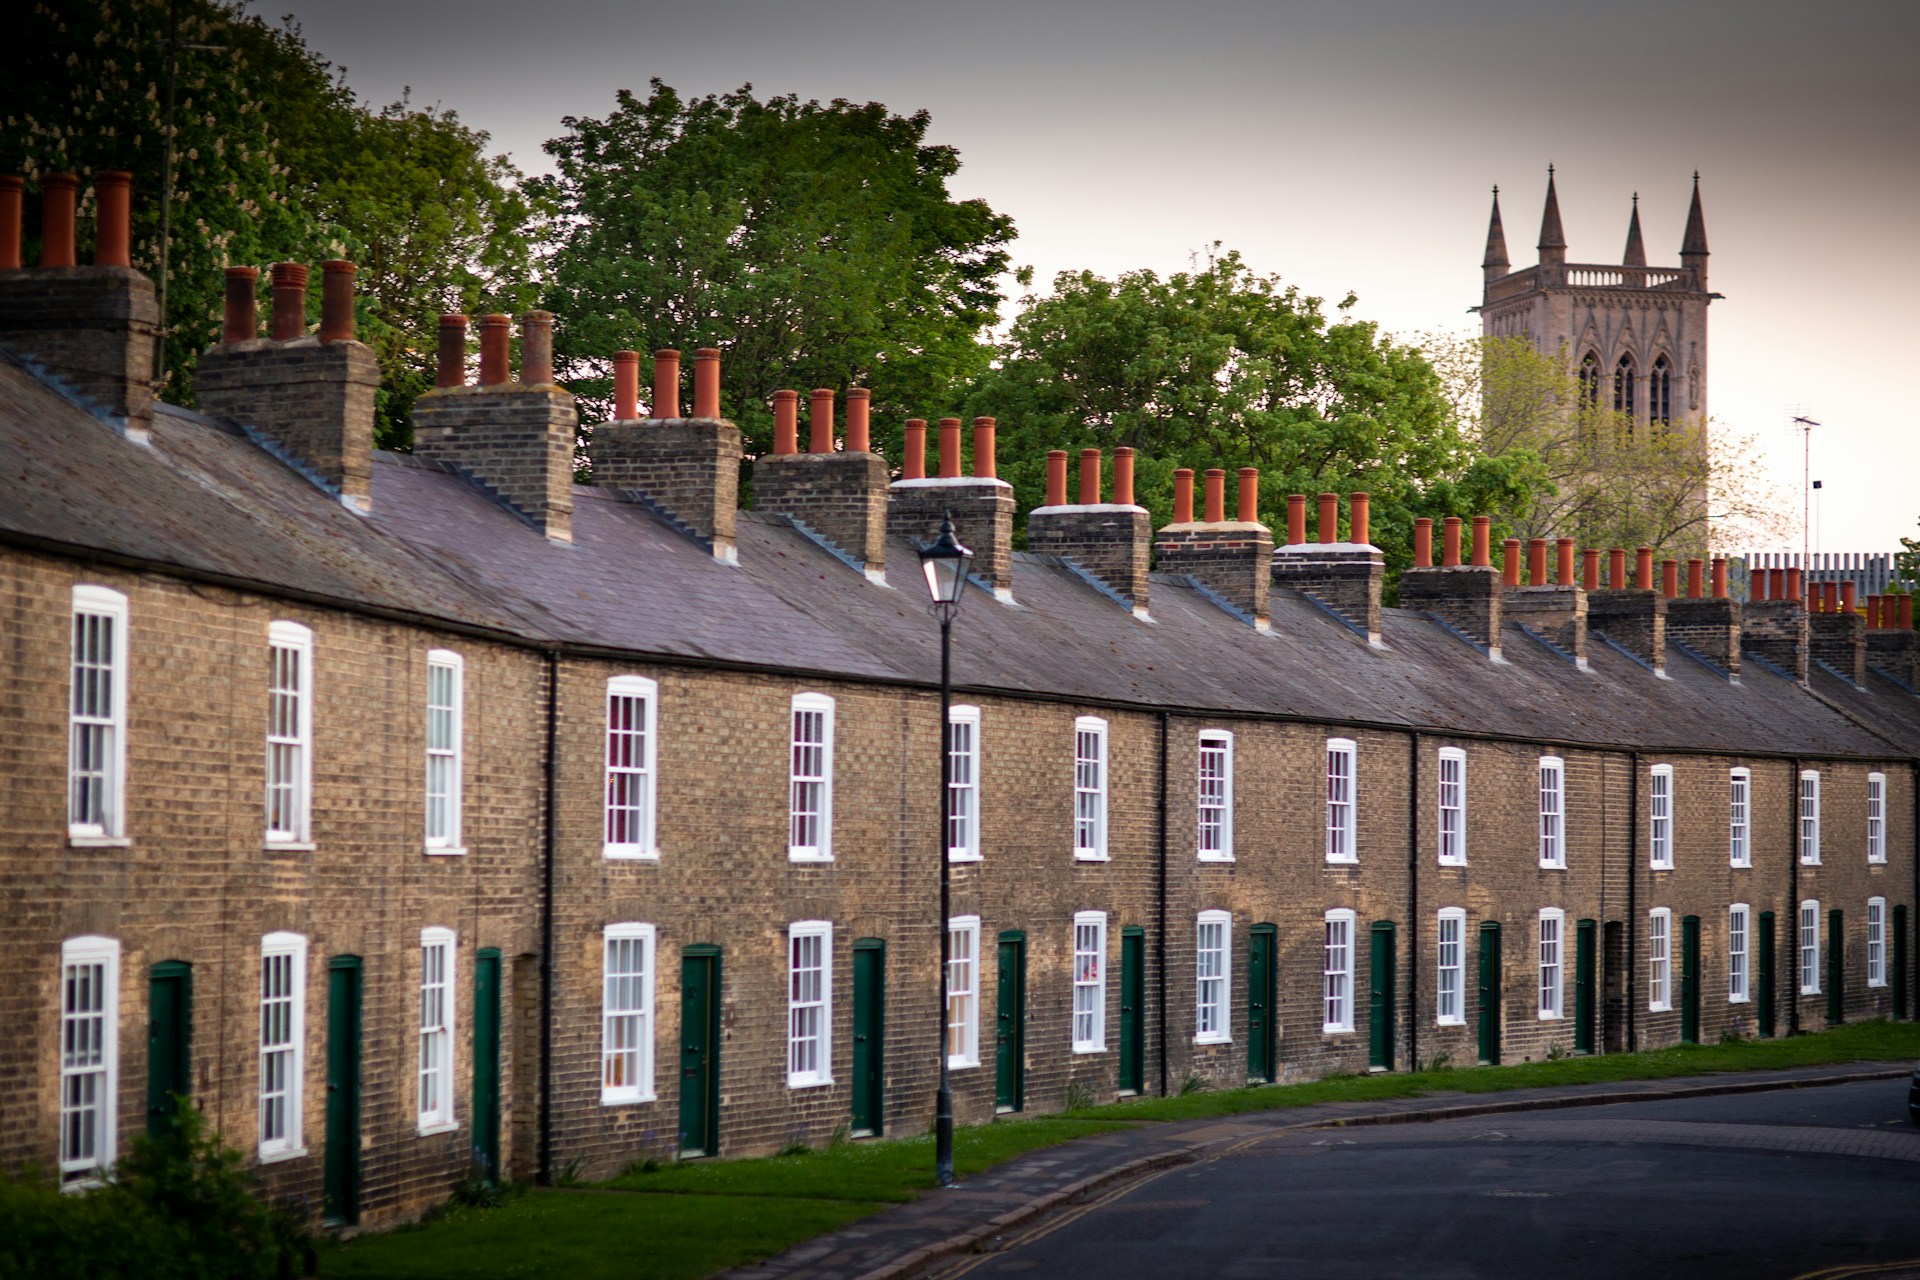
<point>988,1212</point>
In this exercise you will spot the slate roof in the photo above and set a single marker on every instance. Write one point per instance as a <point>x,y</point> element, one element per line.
<point>204,497</point>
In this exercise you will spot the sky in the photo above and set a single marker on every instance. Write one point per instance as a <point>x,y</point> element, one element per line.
<point>1347,145</point>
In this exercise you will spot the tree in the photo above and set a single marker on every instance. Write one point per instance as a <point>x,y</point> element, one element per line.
<point>1220,366</point>
<point>817,246</point>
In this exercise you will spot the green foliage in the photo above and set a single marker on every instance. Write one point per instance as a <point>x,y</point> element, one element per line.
<point>181,1206</point>
<point>816,245</point>
<point>1220,366</point>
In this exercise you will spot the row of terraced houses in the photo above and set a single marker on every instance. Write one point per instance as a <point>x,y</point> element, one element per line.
<point>407,811</point>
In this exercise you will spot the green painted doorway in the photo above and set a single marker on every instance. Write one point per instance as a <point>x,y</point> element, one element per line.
<point>1010,1025</point>
<point>1900,962</point>
<point>1690,980</point>
<point>1380,1005</point>
<point>340,1173</point>
<point>1490,992</point>
<point>1765,970</point>
<point>1133,1003</point>
<point>486,1061</point>
<point>1836,967</point>
<point>1262,948</point>
<point>1584,932</point>
<point>169,1043</point>
<point>700,1051</point>
<point>869,1037</point>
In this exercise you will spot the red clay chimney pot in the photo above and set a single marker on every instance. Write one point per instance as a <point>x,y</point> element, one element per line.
<point>1357,530</point>
<point>57,198</point>
<point>1329,517</point>
<point>1565,550</point>
<point>859,423</point>
<point>240,321</point>
<point>336,301</point>
<point>786,423</point>
<point>1483,541</point>
<point>984,463</point>
<point>1216,495</point>
<point>819,420</point>
<point>450,362</point>
<point>1510,562</point>
<point>666,384</point>
<point>1123,476</point>
<point>1450,542</point>
<point>1719,577</point>
<point>1590,568</point>
<point>1536,562</point>
<point>949,448</point>
<point>1423,542</point>
<point>1089,477</point>
<point>496,341</point>
<point>706,382</point>
<point>12,196</point>
<point>289,301</point>
<point>626,385</point>
<point>1249,512</point>
<point>1296,519</point>
<point>1182,489</point>
<point>1057,479</point>
<point>1696,584</point>
<point>913,466</point>
<point>112,227</point>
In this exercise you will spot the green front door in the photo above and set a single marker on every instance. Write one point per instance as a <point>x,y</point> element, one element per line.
<point>1690,980</point>
<point>1133,1003</point>
<point>700,1051</point>
<point>486,1061</point>
<point>1900,962</point>
<point>1380,973</point>
<point>340,1175</point>
<point>1010,1025</point>
<point>1583,993</point>
<point>1263,943</point>
<point>1763,937</point>
<point>869,1037</point>
<point>1490,992</point>
<point>169,1043</point>
<point>1836,967</point>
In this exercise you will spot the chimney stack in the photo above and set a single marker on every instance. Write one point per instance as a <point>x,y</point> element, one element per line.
<point>91,327</point>
<point>1467,597</point>
<point>1838,636</point>
<point>1709,623</point>
<point>311,394</point>
<point>1891,647</point>
<point>838,496</point>
<point>1109,541</point>
<point>1554,610</point>
<point>1230,559</point>
<point>981,505</point>
<point>1344,576</point>
<point>1776,627</point>
<point>687,469</point>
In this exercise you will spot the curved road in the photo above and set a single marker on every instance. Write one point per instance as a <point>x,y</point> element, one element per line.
<point>1813,1181</point>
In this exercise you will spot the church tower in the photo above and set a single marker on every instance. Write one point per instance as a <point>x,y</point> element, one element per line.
<point>1637,334</point>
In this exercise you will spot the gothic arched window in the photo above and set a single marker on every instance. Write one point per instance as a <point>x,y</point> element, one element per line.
<point>1590,378</point>
<point>1660,392</point>
<point>1623,386</point>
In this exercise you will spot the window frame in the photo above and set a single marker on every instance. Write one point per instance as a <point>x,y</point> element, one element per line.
<point>447,842</point>
<point>821,849</point>
<point>87,950</point>
<point>293,636</point>
<point>93,601</point>
<point>1739,976</point>
<point>1552,963</point>
<point>638,1021</point>
<point>967,996</point>
<point>1740,817</point>
<point>438,1074</point>
<point>1807,809</point>
<point>1213,992</point>
<point>1337,1000</point>
<point>967,847</point>
<point>1456,916</point>
<point>1660,818</point>
<point>291,1143</point>
<point>1342,846</point>
<point>1553,823</point>
<point>1660,960</point>
<point>1457,757</point>
<point>1876,818</point>
<point>1219,744</point>
<point>1090,815</point>
<point>1095,1041</point>
<point>821,1035</point>
<point>1876,941</point>
<point>1808,945</point>
<point>647,788</point>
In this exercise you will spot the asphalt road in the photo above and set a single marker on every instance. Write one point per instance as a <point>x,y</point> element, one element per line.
<point>1754,1186</point>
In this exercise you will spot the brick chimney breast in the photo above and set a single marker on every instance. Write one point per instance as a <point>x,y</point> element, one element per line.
<point>686,468</point>
<point>1344,576</point>
<point>1110,541</point>
<point>1839,639</point>
<point>839,496</point>
<point>1777,631</point>
<point>1709,625</point>
<point>1230,558</point>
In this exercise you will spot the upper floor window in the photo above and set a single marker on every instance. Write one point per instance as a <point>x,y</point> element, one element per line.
<point>809,1004</point>
<point>810,804</point>
<point>1660,817</point>
<point>1552,922</point>
<point>89,1056</point>
<point>289,732</point>
<point>1449,1005</point>
<point>1659,959</point>
<point>1810,817</point>
<point>436,1030</point>
<point>963,784</point>
<point>97,716</point>
<point>1810,947</point>
<point>1876,817</point>
<point>1216,796</point>
<point>1739,929</point>
<point>963,991</point>
<point>626,1013</point>
<point>1089,981</point>
<point>1876,942</point>
<point>1340,800</point>
<point>632,703</point>
<point>1453,807</point>
<point>1337,969</point>
<point>1213,944</point>
<point>1739,817</point>
<point>1623,380</point>
<point>1553,812</point>
<point>283,1035</point>
<point>1660,392</point>
<point>445,742</point>
<point>1089,787</point>
<point>1590,378</point>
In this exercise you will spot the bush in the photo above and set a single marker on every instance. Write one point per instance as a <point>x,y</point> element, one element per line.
<point>180,1206</point>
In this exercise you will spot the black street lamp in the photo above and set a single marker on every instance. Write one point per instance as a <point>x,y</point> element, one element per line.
<point>945,562</point>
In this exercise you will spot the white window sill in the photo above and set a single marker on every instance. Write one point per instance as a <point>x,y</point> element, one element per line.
<point>1450,1022</point>
<point>629,853</point>
<point>961,1062</point>
<point>446,851</point>
<point>1809,862</point>
<point>82,1184</point>
<point>291,846</point>
<point>1663,1007</point>
<point>1737,1000</point>
<point>1344,862</point>
<point>1443,862</point>
<point>808,1082</point>
<point>1216,857</point>
<point>1328,1029</point>
<point>1553,1017</point>
<point>1090,1048</point>
<point>1876,862</point>
<point>1213,1039</point>
<point>796,855</point>
<point>1880,985</point>
<point>1553,866</point>
<point>1081,855</point>
<point>1740,866</point>
<point>1809,991</point>
<point>98,842</point>
<point>438,1126</point>
<point>1659,866</point>
<point>956,856</point>
<point>282,1153</point>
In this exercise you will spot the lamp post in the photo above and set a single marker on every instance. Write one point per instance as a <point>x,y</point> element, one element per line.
<point>945,563</point>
